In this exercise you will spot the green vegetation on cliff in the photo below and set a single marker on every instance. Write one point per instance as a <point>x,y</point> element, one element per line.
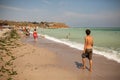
<point>34,24</point>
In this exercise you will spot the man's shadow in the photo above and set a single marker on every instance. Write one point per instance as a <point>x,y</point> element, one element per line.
<point>78,65</point>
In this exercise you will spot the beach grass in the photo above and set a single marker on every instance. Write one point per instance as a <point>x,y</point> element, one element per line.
<point>8,42</point>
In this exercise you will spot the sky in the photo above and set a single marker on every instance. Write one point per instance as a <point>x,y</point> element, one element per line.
<point>74,13</point>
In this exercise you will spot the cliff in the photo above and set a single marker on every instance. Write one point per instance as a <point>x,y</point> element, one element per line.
<point>34,24</point>
<point>53,25</point>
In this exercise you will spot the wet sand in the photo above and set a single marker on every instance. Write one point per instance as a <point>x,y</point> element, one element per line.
<point>48,60</point>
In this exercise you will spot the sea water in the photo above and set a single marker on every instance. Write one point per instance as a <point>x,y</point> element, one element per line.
<point>106,40</point>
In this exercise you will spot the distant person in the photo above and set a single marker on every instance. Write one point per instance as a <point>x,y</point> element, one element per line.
<point>35,35</point>
<point>87,53</point>
<point>68,35</point>
<point>27,32</point>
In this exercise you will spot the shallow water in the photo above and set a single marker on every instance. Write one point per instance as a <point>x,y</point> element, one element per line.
<point>106,40</point>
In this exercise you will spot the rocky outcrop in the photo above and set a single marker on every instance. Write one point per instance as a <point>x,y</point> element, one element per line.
<point>53,25</point>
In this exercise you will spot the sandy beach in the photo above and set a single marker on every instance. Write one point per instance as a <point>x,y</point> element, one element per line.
<point>48,60</point>
<point>44,39</point>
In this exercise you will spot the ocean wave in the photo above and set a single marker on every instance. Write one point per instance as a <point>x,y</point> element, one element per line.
<point>108,53</point>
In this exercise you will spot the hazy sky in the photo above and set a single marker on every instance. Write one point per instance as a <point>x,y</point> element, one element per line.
<point>75,13</point>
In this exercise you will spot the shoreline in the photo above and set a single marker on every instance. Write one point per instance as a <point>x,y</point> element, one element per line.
<point>108,47</point>
<point>79,46</point>
<point>70,59</point>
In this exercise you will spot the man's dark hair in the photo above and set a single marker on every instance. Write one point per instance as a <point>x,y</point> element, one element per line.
<point>88,31</point>
<point>34,29</point>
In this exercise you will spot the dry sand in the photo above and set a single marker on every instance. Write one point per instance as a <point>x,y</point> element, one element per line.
<point>3,31</point>
<point>35,63</point>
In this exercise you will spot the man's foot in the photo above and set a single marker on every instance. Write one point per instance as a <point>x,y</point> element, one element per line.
<point>90,70</point>
<point>83,67</point>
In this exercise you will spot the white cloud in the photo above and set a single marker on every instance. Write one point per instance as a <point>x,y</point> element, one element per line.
<point>104,18</point>
<point>11,8</point>
<point>46,1</point>
<point>97,16</point>
<point>36,14</point>
<point>35,10</point>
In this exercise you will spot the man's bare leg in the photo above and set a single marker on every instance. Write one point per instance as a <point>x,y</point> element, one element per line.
<point>83,60</point>
<point>90,62</point>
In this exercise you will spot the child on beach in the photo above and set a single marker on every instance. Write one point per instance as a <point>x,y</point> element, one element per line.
<point>35,35</point>
<point>87,53</point>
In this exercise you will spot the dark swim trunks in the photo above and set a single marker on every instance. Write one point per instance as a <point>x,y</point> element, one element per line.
<point>87,54</point>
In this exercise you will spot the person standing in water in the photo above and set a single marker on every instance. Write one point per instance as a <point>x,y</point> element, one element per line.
<point>88,49</point>
<point>35,35</point>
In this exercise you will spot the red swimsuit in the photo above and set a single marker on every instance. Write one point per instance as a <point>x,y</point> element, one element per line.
<point>35,35</point>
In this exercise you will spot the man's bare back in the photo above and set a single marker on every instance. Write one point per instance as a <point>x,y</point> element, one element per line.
<point>89,42</point>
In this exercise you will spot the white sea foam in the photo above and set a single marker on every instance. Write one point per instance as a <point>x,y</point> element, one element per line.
<point>110,54</point>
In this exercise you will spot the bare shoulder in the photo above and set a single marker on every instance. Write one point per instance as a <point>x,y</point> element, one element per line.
<point>91,37</point>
